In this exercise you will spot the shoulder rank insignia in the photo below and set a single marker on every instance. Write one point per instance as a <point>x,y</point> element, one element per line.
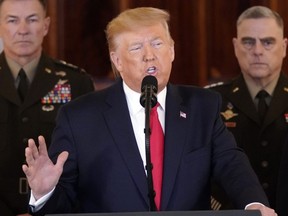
<point>214,85</point>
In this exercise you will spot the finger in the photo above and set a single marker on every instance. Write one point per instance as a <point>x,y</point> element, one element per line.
<point>33,150</point>
<point>42,146</point>
<point>25,169</point>
<point>29,155</point>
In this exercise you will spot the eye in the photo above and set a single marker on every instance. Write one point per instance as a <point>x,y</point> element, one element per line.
<point>32,19</point>
<point>268,43</point>
<point>12,20</point>
<point>135,47</point>
<point>157,44</point>
<point>248,43</point>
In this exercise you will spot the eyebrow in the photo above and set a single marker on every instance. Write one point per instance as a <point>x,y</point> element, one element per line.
<point>16,16</point>
<point>261,39</point>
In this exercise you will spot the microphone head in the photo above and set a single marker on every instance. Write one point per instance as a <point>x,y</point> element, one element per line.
<point>149,84</point>
<point>149,81</point>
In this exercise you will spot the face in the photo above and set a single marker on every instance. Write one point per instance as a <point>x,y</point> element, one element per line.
<point>260,48</point>
<point>23,26</point>
<point>145,51</point>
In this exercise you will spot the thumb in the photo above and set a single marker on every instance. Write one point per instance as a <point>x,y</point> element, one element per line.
<point>62,159</point>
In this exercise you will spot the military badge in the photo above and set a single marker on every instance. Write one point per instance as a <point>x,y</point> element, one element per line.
<point>48,70</point>
<point>60,73</point>
<point>235,89</point>
<point>60,94</point>
<point>228,114</point>
<point>48,108</point>
<point>230,124</point>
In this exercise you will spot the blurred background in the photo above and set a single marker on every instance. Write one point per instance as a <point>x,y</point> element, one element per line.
<point>202,30</point>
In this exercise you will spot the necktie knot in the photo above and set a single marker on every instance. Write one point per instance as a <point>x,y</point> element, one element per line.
<point>262,105</point>
<point>23,84</point>
<point>262,94</point>
<point>22,74</point>
<point>154,110</point>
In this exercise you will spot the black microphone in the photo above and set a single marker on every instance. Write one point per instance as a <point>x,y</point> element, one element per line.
<point>148,99</point>
<point>149,90</point>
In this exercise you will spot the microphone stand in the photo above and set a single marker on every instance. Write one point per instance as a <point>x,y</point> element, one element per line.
<point>149,166</point>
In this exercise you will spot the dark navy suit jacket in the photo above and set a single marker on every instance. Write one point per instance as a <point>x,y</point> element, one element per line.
<point>105,172</point>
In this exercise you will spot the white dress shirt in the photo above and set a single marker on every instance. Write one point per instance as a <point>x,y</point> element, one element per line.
<point>137,115</point>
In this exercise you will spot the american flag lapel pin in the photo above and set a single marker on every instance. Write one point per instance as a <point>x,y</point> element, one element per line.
<point>183,114</point>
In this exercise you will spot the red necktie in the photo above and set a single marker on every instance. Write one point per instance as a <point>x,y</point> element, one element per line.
<point>157,149</point>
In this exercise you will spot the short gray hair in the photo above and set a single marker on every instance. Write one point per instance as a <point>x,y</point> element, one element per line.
<point>257,12</point>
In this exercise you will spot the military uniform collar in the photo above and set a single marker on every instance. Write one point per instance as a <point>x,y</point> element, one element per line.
<point>29,68</point>
<point>253,89</point>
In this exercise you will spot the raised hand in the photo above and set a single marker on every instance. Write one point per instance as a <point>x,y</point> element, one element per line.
<point>42,174</point>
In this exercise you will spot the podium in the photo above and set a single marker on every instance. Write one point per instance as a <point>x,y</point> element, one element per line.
<point>172,213</point>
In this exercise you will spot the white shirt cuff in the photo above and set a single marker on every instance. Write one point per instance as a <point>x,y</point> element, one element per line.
<point>253,204</point>
<point>36,205</point>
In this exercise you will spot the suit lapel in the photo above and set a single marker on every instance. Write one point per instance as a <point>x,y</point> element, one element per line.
<point>279,102</point>
<point>176,124</point>
<point>119,123</point>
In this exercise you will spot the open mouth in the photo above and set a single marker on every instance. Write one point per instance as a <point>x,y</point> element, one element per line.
<point>151,70</point>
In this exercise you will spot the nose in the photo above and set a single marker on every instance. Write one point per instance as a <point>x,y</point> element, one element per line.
<point>258,48</point>
<point>23,28</point>
<point>148,54</point>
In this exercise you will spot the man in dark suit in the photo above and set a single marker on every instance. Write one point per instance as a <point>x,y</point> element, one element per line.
<point>49,84</point>
<point>260,48</point>
<point>98,146</point>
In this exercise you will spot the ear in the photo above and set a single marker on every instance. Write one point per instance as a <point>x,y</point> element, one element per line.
<point>234,41</point>
<point>46,25</point>
<point>284,47</point>
<point>172,50</point>
<point>116,61</point>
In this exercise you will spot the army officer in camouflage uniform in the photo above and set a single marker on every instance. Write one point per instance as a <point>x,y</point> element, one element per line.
<point>49,84</point>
